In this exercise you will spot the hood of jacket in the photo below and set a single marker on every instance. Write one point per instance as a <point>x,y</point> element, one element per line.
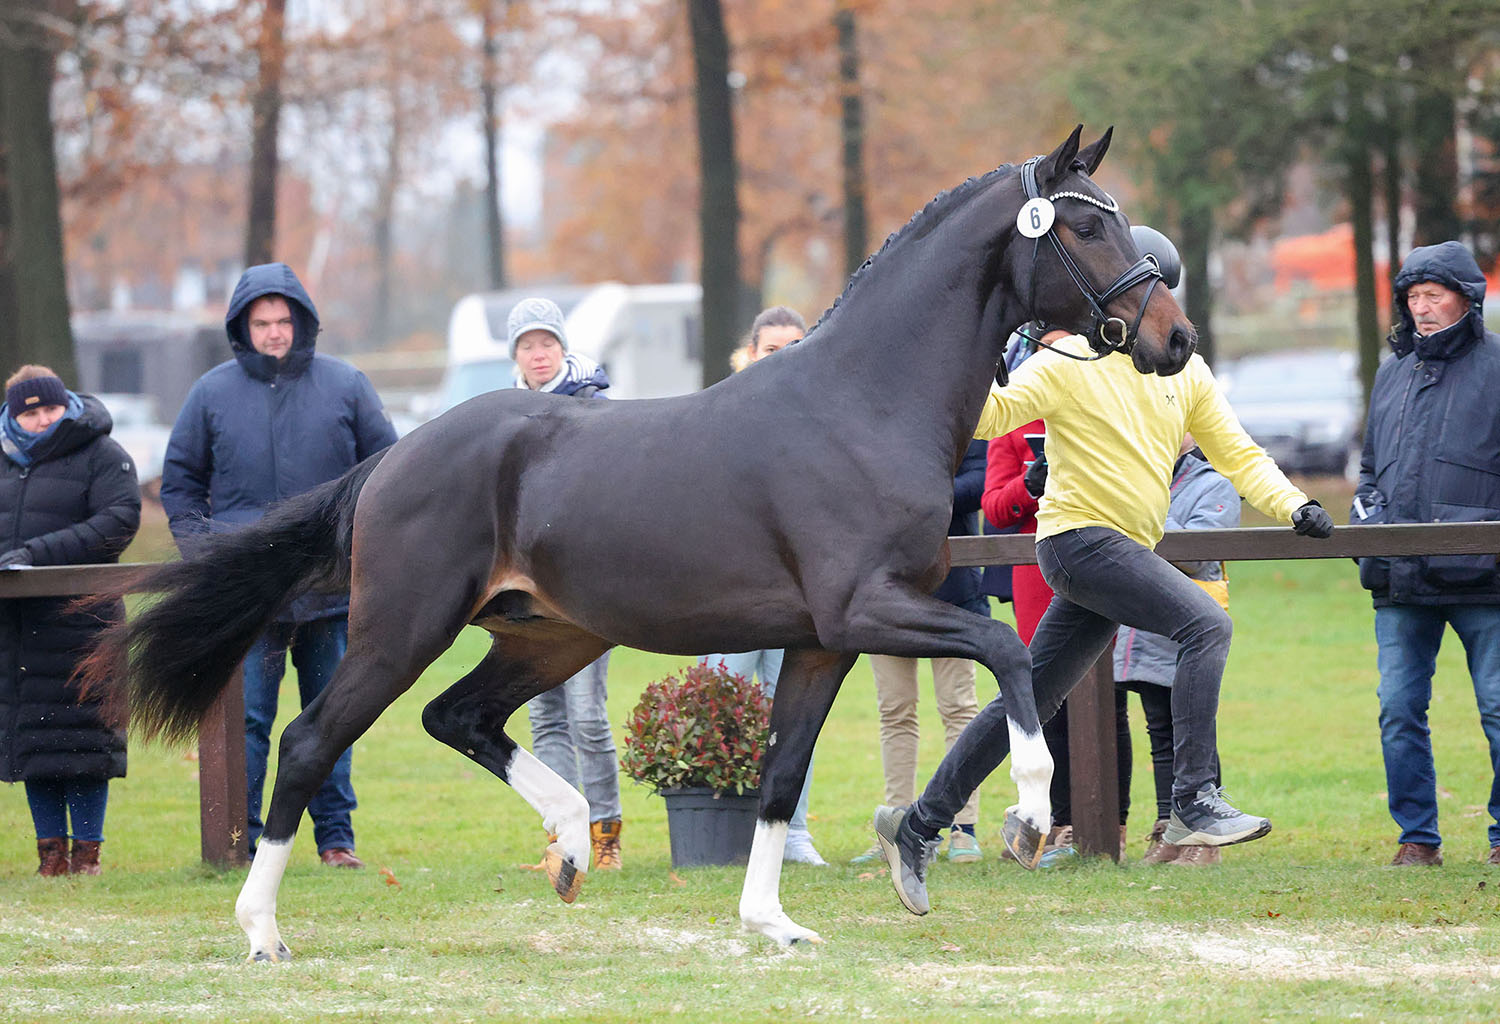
<point>1451,265</point>
<point>257,282</point>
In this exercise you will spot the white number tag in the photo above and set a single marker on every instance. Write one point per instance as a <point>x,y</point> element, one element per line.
<point>1035,218</point>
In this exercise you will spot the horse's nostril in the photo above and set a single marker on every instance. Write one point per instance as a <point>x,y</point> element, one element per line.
<point>1182,342</point>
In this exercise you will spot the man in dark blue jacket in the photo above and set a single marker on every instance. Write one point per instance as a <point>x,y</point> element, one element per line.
<point>1432,454</point>
<point>276,420</point>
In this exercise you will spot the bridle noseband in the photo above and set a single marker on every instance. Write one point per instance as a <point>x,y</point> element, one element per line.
<point>1107,333</point>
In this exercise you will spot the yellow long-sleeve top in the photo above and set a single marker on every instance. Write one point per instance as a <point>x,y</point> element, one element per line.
<point>1113,435</point>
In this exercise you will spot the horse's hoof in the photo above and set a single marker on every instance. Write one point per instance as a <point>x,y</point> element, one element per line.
<point>783,930</point>
<point>281,955</point>
<point>1022,839</point>
<point>567,879</point>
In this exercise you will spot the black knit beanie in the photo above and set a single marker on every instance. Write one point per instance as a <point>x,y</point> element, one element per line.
<point>34,394</point>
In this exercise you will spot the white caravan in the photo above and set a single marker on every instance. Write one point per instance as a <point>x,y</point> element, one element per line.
<point>648,338</point>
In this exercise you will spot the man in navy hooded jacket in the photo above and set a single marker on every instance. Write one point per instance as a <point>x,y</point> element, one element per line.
<point>276,420</point>
<point>1432,455</point>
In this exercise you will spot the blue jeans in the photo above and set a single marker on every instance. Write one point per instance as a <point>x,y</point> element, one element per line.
<point>570,734</point>
<point>53,800</point>
<point>1409,636</point>
<point>1101,579</point>
<point>766,664</point>
<point>317,647</point>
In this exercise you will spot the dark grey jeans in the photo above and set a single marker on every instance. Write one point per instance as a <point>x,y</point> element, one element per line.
<point>1102,579</point>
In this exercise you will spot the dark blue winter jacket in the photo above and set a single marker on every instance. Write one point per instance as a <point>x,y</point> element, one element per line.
<point>255,430</point>
<point>961,587</point>
<point>1432,441</point>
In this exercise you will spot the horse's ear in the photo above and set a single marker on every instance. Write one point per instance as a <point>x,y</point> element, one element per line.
<point>1059,161</point>
<point>1092,155</point>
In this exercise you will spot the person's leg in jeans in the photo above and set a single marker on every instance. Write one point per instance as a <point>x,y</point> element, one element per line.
<point>48,800</point>
<point>598,761</point>
<point>1478,627</point>
<point>317,648</point>
<point>1408,637</point>
<point>551,739</point>
<point>1055,733</point>
<point>953,683</point>
<point>87,800</point>
<point>264,666</point>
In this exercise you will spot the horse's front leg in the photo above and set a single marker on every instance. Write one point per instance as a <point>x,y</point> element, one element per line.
<point>804,692</point>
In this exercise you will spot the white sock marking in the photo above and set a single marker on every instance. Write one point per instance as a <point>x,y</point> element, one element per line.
<point>564,810</point>
<point>1031,768</point>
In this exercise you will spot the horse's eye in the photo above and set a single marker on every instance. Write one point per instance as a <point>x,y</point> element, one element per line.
<point>1084,231</point>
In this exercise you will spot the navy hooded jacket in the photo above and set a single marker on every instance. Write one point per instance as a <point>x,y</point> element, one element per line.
<point>255,430</point>
<point>1432,442</point>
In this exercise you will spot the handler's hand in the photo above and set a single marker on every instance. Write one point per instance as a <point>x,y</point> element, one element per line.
<point>1036,476</point>
<point>1311,520</point>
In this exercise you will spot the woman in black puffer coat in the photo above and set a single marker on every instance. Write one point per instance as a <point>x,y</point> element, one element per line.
<point>68,496</point>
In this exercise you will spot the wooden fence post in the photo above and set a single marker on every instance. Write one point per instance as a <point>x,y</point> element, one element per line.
<point>221,778</point>
<point>1095,789</point>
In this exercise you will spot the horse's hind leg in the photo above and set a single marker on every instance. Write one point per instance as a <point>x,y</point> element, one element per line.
<point>900,621</point>
<point>527,657</point>
<point>809,681</point>
<point>371,676</point>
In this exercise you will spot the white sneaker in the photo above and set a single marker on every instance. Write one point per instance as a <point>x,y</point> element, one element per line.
<point>800,850</point>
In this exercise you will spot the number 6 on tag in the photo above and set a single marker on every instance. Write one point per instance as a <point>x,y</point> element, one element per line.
<point>1035,218</point>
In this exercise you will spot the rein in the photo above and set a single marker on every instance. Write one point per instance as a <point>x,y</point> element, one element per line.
<point>1142,271</point>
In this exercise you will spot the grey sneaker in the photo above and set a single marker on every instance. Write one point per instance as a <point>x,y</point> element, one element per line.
<point>1209,820</point>
<point>908,856</point>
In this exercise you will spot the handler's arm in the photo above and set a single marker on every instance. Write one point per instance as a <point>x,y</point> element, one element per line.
<point>1030,395</point>
<point>1232,452</point>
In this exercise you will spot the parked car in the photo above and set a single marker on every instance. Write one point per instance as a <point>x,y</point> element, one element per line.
<point>1304,406</point>
<point>139,430</point>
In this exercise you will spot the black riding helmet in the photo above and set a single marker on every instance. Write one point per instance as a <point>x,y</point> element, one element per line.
<point>1159,248</point>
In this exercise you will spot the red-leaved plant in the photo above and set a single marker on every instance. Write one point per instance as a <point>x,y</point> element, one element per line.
<point>703,727</point>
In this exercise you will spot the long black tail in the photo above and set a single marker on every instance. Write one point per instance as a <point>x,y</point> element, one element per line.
<point>173,658</point>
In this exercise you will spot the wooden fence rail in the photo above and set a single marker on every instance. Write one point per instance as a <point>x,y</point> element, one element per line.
<point>221,737</point>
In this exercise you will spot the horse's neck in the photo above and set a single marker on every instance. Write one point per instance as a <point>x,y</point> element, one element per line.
<point>915,343</point>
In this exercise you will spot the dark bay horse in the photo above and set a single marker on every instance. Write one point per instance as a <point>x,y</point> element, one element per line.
<point>564,528</point>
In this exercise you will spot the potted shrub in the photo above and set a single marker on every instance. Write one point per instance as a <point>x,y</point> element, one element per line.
<point>696,737</point>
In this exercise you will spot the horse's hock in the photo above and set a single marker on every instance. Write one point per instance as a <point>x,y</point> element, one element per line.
<point>221,749</point>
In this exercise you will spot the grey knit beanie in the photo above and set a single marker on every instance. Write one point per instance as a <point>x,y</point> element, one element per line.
<point>535,314</point>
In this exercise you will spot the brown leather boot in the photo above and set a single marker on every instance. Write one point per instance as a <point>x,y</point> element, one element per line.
<point>605,836</point>
<point>1158,850</point>
<point>1198,856</point>
<point>1418,854</point>
<point>84,860</point>
<point>53,854</point>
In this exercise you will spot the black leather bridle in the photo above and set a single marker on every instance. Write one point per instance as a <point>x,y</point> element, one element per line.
<point>1106,333</point>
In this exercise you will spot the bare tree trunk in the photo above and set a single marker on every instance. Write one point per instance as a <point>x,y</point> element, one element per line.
<point>1434,123</point>
<point>10,337</point>
<point>718,210</point>
<point>1359,185</point>
<point>1197,242</point>
<point>494,222</point>
<point>385,216</point>
<point>40,332</point>
<point>265,116</point>
<point>1390,149</point>
<point>852,130</point>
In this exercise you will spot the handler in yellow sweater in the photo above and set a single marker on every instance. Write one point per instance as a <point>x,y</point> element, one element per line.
<point>1113,435</point>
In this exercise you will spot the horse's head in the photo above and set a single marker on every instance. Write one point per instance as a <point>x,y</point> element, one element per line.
<point>1076,266</point>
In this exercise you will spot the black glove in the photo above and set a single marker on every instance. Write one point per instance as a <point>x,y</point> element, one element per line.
<point>16,556</point>
<point>1311,521</point>
<point>1036,476</point>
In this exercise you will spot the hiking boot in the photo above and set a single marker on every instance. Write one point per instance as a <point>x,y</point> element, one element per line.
<point>605,837</point>
<point>963,848</point>
<point>341,857</point>
<point>1158,850</point>
<point>874,855</point>
<point>1494,855</point>
<point>84,858</point>
<point>1421,855</point>
<point>1198,856</point>
<point>907,854</point>
<point>53,857</point>
<point>1058,837</point>
<point>1209,820</point>
<point>799,849</point>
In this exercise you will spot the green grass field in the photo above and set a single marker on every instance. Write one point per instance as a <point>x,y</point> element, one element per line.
<point>1306,924</point>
